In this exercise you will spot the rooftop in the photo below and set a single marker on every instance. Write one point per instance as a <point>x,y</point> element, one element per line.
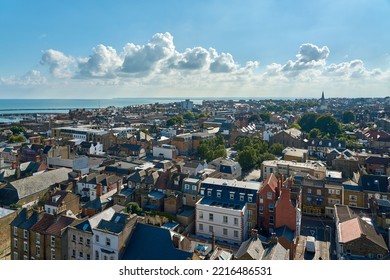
<point>232,183</point>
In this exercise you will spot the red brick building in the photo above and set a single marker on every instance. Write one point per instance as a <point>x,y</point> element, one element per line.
<point>267,198</point>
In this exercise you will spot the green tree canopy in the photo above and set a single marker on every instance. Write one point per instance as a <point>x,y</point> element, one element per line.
<point>16,139</point>
<point>276,149</point>
<point>177,120</point>
<point>348,117</point>
<point>327,124</point>
<point>314,133</point>
<point>212,148</point>
<point>189,116</point>
<point>265,116</point>
<point>308,121</point>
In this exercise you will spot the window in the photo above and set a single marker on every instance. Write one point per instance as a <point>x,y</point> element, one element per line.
<point>97,238</point>
<point>211,228</point>
<point>225,231</point>
<point>331,191</point>
<point>53,254</point>
<point>269,195</point>
<point>209,192</point>
<point>194,187</point>
<point>271,220</point>
<point>105,257</point>
<point>37,238</point>
<point>338,192</point>
<point>187,186</point>
<point>249,226</point>
<point>250,214</point>
<point>261,210</point>
<point>219,194</point>
<point>73,238</point>
<point>352,204</point>
<point>319,201</point>
<point>38,251</point>
<point>309,199</point>
<point>201,215</point>
<point>202,191</point>
<point>235,221</point>
<point>193,198</point>
<point>231,196</point>
<point>81,255</point>
<point>88,256</point>
<point>25,247</point>
<point>236,233</point>
<point>225,219</point>
<point>73,253</point>
<point>261,199</point>
<point>211,216</point>
<point>242,197</point>
<point>15,243</point>
<point>15,231</point>
<point>271,207</point>
<point>384,197</point>
<point>108,242</point>
<point>88,242</point>
<point>379,256</point>
<point>250,199</point>
<point>96,255</point>
<point>81,240</point>
<point>353,197</point>
<point>318,192</point>
<point>201,227</point>
<point>16,256</point>
<point>52,241</point>
<point>25,234</point>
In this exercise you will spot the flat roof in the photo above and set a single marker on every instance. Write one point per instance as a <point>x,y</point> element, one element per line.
<point>5,212</point>
<point>233,183</point>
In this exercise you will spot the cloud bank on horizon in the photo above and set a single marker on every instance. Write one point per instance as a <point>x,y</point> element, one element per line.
<point>159,69</point>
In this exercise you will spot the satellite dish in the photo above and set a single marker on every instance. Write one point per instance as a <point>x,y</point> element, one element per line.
<point>377,196</point>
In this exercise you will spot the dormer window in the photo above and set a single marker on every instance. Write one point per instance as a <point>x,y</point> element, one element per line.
<point>209,192</point>
<point>231,196</point>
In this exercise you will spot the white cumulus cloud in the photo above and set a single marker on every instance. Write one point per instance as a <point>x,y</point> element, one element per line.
<point>60,65</point>
<point>103,63</point>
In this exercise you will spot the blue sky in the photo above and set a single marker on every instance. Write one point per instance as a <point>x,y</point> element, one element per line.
<point>171,48</point>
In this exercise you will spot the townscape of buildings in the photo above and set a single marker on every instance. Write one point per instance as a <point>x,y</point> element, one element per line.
<point>129,183</point>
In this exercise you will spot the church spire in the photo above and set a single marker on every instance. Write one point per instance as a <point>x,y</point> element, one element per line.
<point>323,95</point>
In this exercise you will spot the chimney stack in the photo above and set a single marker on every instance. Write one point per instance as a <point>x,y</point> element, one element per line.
<point>14,165</point>
<point>213,242</point>
<point>38,159</point>
<point>274,238</point>
<point>99,190</point>
<point>118,186</point>
<point>18,172</point>
<point>254,234</point>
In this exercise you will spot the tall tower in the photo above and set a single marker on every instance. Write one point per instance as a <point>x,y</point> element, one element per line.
<point>323,105</point>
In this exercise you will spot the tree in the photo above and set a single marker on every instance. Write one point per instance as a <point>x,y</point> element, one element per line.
<point>314,133</point>
<point>212,148</point>
<point>177,120</point>
<point>265,116</point>
<point>189,116</point>
<point>308,121</point>
<point>327,124</point>
<point>295,125</point>
<point>276,149</point>
<point>16,139</point>
<point>348,117</point>
<point>17,129</point>
<point>133,207</point>
<point>201,115</point>
<point>247,158</point>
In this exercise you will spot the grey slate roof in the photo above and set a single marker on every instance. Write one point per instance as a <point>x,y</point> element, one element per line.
<point>253,247</point>
<point>22,188</point>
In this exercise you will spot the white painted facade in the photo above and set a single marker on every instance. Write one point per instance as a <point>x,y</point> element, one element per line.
<point>167,151</point>
<point>104,242</point>
<point>227,224</point>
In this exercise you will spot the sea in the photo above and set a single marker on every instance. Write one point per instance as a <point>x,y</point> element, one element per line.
<point>12,110</point>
